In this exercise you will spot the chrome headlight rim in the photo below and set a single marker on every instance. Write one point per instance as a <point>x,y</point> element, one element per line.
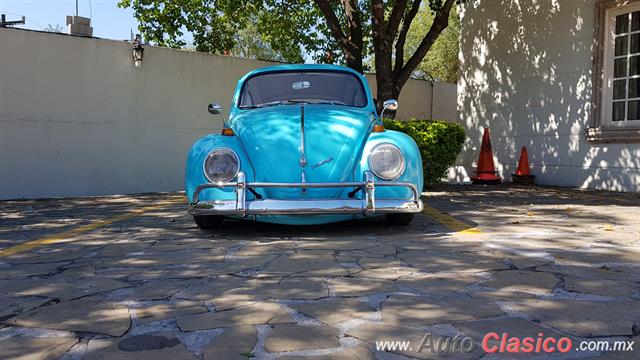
<point>403,164</point>
<point>223,149</point>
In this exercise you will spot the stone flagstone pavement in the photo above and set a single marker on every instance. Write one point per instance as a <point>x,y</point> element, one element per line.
<point>557,261</point>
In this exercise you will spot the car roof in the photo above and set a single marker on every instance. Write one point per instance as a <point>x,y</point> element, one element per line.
<point>301,67</point>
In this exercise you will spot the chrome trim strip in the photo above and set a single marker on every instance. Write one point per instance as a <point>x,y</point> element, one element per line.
<point>368,205</point>
<point>303,207</point>
<point>303,157</point>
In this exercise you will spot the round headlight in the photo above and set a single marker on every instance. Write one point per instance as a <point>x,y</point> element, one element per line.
<point>386,161</point>
<point>221,165</point>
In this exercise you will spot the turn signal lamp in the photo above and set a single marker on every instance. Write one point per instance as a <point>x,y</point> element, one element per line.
<point>227,132</point>
<point>378,128</point>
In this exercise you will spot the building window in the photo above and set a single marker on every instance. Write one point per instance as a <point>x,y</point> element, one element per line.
<point>616,116</point>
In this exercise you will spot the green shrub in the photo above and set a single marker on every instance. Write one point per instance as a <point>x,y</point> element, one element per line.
<point>440,142</point>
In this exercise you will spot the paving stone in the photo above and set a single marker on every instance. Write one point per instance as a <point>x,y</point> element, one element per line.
<point>235,343</point>
<point>122,249</point>
<point>346,259</point>
<point>359,352</point>
<point>160,346</point>
<point>10,305</point>
<point>168,252</point>
<point>164,311</point>
<point>437,244</point>
<point>161,289</point>
<point>244,263</point>
<point>584,318</point>
<point>8,271</point>
<point>421,311</point>
<point>193,244</point>
<point>87,315</point>
<point>62,289</point>
<point>598,255</point>
<point>293,289</point>
<point>207,290</point>
<point>517,327</point>
<point>78,269</point>
<point>198,270</point>
<point>523,280</point>
<point>392,273</point>
<point>500,295</point>
<point>285,337</point>
<point>614,273</point>
<point>438,285</point>
<point>301,262</point>
<point>372,332</point>
<point>328,271</point>
<point>235,298</point>
<point>357,286</point>
<point>261,248</point>
<point>344,243</point>
<point>253,314</point>
<point>28,348</point>
<point>453,262</point>
<point>623,355</point>
<point>600,286</point>
<point>168,259</point>
<point>334,311</point>
<point>543,240</point>
<point>380,262</point>
<point>525,262</point>
<point>62,253</point>
<point>373,251</point>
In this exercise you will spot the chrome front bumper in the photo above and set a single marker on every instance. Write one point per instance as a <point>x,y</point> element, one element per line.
<point>366,206</point>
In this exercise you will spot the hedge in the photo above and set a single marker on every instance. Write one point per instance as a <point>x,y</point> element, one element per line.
<point>439,141</point>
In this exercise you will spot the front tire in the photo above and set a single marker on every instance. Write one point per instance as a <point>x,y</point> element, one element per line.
<point>207,222</point>
<point>400,219</point>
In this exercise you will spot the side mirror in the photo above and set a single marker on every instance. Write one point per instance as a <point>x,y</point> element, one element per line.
<point>214,108</point>
<point>391,105</point>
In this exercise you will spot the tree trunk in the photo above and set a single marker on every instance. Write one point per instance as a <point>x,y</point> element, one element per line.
<point>384,73</point>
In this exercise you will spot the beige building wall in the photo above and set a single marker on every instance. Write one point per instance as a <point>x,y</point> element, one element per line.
<point>77,118</point>
<point>418,98</point>
<point>526,74</point>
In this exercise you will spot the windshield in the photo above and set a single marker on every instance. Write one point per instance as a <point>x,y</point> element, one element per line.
<point>309,87</point>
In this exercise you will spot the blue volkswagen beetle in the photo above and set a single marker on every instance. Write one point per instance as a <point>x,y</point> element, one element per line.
<point>303,145</point>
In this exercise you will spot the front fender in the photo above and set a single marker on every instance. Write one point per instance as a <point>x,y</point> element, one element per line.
<point>413,169</point>
<point>195,159</point>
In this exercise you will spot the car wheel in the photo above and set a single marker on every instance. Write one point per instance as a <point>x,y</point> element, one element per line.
<point>205,222</point>
<point>400,219</point>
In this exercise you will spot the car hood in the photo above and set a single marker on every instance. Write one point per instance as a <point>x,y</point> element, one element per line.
<point>333,137</point>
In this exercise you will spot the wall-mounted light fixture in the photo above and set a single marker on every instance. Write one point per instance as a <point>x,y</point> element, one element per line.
<point>137,51</point>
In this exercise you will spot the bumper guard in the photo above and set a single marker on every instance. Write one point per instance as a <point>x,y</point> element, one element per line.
<point>365,206</point>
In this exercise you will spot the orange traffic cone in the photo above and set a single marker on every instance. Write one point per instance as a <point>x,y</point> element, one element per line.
<point>522,175</point>
<point>486,171</point>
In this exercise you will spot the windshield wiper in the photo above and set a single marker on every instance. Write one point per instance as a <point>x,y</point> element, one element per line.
<point>274,103</point>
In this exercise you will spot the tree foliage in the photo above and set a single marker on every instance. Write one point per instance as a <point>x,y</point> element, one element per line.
<point>276,29</point>
<point>441,61</point>
<point>251,43</point>
<point>57,28</point>
<point>333,31</point>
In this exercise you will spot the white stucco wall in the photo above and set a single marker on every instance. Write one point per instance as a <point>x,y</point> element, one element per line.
<point>77,118</point>
<point>526,74</point>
